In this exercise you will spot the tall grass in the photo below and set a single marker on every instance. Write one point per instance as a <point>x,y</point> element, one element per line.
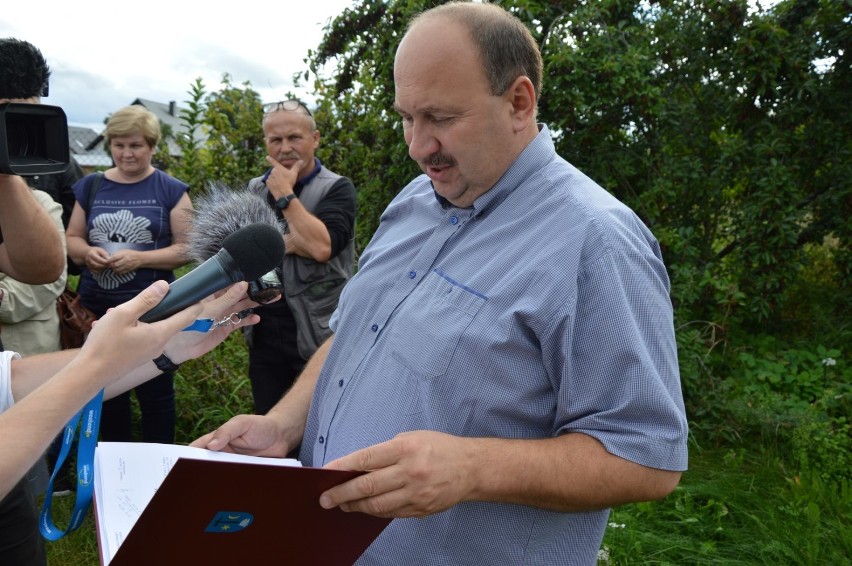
<point>736,506</point>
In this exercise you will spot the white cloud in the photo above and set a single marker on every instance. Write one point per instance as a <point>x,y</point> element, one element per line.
<point>104,54</point>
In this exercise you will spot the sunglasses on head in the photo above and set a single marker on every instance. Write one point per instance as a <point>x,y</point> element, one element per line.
<point>289,105</point>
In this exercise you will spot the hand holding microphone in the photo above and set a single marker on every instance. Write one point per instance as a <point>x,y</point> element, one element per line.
<point>246,255</point>
<point>189,345</point>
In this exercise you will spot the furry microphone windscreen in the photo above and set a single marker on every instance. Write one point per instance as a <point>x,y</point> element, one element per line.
<point>221,211</point>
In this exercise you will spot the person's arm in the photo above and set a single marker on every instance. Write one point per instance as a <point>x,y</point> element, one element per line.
<point>337,210</point>
<point>168,258</point>
<point>308,236</point>
<point>116,345</point>
<point>282,428</point>
<point>423,472</point>
<point>31,372</point>
<point>50,388</point>
<point>31,251</point>
<point>22,301</point>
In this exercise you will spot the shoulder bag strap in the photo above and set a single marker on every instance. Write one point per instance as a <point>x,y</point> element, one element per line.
<point>96,184</point>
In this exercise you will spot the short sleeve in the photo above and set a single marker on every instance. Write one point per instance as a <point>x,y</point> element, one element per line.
<point>6,399</point>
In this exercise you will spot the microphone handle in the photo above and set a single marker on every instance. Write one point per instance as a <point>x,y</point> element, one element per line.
<point>213,275</point>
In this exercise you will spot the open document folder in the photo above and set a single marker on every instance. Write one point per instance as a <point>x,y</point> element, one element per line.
<point>170,504</point>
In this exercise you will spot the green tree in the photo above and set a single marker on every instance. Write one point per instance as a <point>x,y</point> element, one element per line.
<point>192,168</point>
<point>234,136</point>
<point>361,135</point>
<point>222,138</point>
<point>723,126</point>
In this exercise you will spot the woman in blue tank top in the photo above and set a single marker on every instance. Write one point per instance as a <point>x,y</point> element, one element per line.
<point>133,233</point>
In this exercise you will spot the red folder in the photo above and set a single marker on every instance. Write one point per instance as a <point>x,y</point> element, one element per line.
<point>210,513</point>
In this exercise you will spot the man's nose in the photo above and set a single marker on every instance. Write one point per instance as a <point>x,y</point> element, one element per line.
<point>421,142</point>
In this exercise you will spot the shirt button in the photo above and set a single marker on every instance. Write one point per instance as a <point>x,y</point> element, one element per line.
<point>321,440</point>
<point>340,383</point>
<point>454,219</point>
<point>374,328</point>
<point>412,274</point>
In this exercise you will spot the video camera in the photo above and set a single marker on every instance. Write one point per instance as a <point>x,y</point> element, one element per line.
<point>33,139</point>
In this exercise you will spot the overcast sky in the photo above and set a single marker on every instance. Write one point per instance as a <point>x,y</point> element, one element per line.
<point>104,54</point>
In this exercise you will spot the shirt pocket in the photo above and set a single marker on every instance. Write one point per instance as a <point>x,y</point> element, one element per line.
<point>431,322</point>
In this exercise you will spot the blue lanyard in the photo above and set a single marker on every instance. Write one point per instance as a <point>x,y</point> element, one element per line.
<point>91,418</point>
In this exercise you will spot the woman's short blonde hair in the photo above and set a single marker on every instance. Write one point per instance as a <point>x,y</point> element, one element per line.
<point>131,120</point>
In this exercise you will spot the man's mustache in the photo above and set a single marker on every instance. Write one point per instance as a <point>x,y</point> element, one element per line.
<point>437,160</point>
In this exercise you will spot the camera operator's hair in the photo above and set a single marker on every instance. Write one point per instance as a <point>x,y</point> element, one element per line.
<point>131,120</point>
<point>23,71</point>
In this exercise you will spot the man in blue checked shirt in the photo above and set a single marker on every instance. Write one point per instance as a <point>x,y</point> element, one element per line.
<point>504,364</point>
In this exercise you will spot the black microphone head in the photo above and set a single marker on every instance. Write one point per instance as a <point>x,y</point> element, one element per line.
<point>221,211</point>
<point>256,249</point>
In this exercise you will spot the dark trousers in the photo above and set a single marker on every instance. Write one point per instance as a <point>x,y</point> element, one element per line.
<point>21,543</point>
<point>274,360</point>
<point>157,404</point>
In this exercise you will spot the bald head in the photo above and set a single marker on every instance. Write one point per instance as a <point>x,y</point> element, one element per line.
<point>505,47</point>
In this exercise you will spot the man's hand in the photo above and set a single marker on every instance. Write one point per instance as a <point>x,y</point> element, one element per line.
<point>420,473</point>
<point>307,235</point>
<point>413,475</point>
<point>282,179</point>
<point>256,435</point>
<point>281,429</point>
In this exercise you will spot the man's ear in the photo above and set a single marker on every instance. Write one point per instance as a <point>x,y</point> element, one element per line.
<point>521,95</point>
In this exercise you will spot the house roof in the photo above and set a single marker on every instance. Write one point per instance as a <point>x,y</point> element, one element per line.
<point>168,114</point>
<point>84,144</point>
<point>87,147</point>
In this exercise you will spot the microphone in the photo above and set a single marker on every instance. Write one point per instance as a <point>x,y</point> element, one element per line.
<point>246,254</point>
<point>219,212</point>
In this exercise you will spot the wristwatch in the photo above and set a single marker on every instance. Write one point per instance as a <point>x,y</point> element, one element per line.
<point>165,364</point>
<point>285,201</point>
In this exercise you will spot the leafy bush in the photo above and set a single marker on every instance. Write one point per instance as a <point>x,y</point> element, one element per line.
<point>212,389</point>
<point>798,400</point>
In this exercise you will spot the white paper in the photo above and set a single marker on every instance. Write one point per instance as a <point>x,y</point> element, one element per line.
<point>128,474</point>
